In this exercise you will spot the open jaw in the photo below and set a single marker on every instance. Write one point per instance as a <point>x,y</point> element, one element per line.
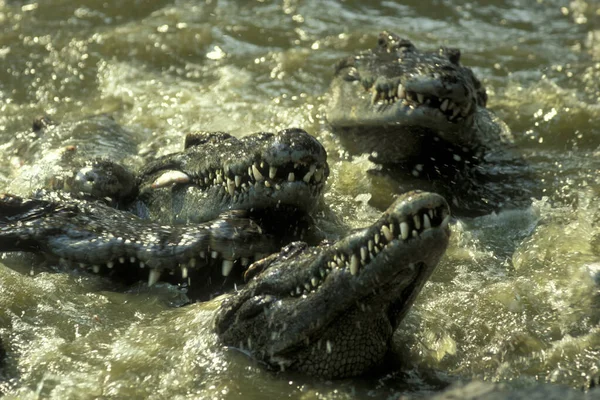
<point>218,172</point>
<point>331,310</point>
<point>90,235</point>
<point>396,89</point>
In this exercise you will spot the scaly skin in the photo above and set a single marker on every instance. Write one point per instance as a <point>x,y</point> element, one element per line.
<point>218,172</point>
<point>331,310</point>
<point>397,103</point>
<point>97,237</point>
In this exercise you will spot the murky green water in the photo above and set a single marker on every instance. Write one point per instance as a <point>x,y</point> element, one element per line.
<point>516,298</point>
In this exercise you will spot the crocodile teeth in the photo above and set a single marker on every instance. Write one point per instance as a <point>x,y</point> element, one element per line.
<point>375,96</point>
<point>318,175</point>
<point>455,112</point>
<point>142,265</point>
<point>444,105</point>
<point>364,254</point>
<point>122,260</point>
<point>257,175</point>
<point>415,233</point>
<point>272,172</point>
<point>354,264</point>
<point>184,272</point>
<point>420,98</point>
<point>385,230</point>
<point>214,254</point>
<point>230,187</point>
<point>244,261</point>
<point>404,230</point>
<point>110,264</point>
<point>238,180</point>
<point>426,221</point>
<point>431,213</point>
<point>192,262</point>
<point>291,177</point>
<point>170,177</point>
<point>310,173</point>
<point>226,267</point>
<point>401,93</point>
<point>96,268</point>
<point>417,221</point>
<point>153,276</point>
<point>445,222</point>
<point>132,259</point>
<point>315,281</point>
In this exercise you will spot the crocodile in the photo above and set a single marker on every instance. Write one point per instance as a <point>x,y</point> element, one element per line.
<point>328,310</point>
<point>331,310</point>
<point>245,189</point>
<point>422,117</point>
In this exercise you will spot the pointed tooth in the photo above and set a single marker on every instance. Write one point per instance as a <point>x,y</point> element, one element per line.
<point>415,233</point>
<point>214,254</point>
<point>451,105</point>
<point>364,253</point>
<point>315,281</point>
<point>371,245</point>
<point>184,272</point>
<point>298,290</point>
<point>310,173</point>
<point>354,264</point>
<point>244,261</point>
<point>417,221</point>
<point>132,259</point>
<point>202,254</point>
<point>230,187</point>
<point>401,93</point>
<point>153,276</point>
<point>96,269</point>
<point>444,105</point>
<point>272,172</point>
<point>377,238</point>
<point>192,262</point>
<point>238,180</point>
<point>426,222</point>
<point>267,184</point>
<point>318,175</point>
<point>404,230</point>
<point>250,171</point>
<point>455,112</point>
<point>226,267</point>
<point>307,286</point>
<point>110,264</point>
<point>257,175</point>
<point>122,260</point>
<point>291,177</point>
<point>142,265</point>
<point>420,98</point>
<point>219,178</point>
<point>385,230</point>
<point>169,178</point>
<point>445,222</point>
<point>431,214</point>
<point>375,96</point>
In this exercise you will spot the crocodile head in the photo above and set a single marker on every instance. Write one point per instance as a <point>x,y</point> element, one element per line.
<point>331,310</point>
<point>394,100</point>
<point>218,172</point>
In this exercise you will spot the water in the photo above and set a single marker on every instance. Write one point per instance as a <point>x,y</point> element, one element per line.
<point>515,299</point>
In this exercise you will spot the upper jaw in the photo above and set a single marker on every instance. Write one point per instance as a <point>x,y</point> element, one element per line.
<point>256,171</point>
